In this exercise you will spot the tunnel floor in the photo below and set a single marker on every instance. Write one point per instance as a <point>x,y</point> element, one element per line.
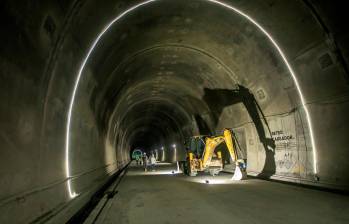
<point>163,197</point>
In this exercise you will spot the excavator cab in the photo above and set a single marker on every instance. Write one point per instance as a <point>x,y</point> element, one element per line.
<point>197,145</point>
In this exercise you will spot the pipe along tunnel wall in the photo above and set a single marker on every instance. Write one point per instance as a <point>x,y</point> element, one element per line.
<point>158,76</point>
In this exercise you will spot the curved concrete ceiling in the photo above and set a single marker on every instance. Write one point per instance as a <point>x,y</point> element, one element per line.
<point>166,70</point>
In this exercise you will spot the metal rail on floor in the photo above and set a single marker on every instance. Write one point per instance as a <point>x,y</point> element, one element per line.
<point>85,211</point>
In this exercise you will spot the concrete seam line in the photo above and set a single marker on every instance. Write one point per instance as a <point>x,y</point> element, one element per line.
<point>73,194</point>
<point>25,194</point>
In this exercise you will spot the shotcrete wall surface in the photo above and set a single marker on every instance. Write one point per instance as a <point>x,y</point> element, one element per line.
<point>162,72</point>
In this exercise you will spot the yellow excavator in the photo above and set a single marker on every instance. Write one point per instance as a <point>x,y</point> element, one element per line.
<point>201,155</point>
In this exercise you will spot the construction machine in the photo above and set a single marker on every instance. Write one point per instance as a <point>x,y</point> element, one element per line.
<point>201,155</point>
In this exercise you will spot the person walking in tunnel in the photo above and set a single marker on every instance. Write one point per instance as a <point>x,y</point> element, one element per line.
<point>137,159</point>
<point>145,161</point>
<point>152,162</point>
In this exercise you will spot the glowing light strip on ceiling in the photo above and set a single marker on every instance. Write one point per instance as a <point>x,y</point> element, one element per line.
<point>73,194</point>
<point>303,102</point>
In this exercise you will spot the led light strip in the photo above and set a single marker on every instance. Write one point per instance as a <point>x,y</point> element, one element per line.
<point>73,194</point>
<point>307,114</point>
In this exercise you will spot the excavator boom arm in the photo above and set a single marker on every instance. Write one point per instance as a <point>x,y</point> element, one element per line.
<point>211,145</point>
<point>213,142</point>
<point>228,137</point>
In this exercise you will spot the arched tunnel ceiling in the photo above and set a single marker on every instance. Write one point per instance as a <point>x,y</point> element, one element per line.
<point>162,72</point>
<point>199,71</point>
<point>170,57</point>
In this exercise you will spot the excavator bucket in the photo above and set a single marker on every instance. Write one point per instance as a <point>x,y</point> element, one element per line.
<point>239,174</point>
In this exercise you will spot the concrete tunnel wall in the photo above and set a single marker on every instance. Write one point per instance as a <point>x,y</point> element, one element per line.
<point>157,77</point>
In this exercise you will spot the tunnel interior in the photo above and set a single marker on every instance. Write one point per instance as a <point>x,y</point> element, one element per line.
<point>88,83</point>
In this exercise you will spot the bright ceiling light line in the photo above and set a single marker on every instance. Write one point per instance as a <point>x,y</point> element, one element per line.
<point>294,77</point>
<point>72,194</point>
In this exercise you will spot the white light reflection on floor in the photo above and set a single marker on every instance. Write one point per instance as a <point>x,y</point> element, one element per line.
<point>153,173</point>
<point>215,180</point>
<point>160,169</point>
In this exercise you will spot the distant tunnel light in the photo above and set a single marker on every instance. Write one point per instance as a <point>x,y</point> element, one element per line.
<point>174,152</point>
<point>162,154</point>
<point>72,194</point>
